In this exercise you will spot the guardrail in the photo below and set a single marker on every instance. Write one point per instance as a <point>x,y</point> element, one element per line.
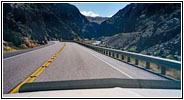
<point>162,66</point>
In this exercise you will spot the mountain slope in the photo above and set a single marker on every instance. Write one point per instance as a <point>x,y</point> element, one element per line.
<point>142,27</point>
<point>40,22</point>
<point>98,20</point>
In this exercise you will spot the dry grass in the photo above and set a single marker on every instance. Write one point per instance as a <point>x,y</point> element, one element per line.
<point>155,67</point>
<point>173,73</point>
<point>8,49</point>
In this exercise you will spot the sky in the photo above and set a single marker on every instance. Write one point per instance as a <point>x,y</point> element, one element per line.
<point>99,9</point>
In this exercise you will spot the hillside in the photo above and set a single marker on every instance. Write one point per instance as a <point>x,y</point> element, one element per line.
<point>98,20</point>
<point>37,23</point>
<point>153,29</point>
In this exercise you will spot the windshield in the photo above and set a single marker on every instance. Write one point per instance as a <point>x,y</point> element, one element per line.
<point>68,46</point>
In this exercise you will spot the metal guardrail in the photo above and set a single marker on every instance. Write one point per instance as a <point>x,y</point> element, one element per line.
<point>164,63</point>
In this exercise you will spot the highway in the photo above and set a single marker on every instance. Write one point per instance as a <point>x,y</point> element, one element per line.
<point>74,62</point>
<point>24,51</point>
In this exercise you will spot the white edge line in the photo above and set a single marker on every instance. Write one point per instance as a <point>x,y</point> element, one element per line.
<point>109,64</point>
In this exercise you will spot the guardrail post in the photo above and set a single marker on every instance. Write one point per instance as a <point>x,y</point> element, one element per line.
<point>112,54</point>
<point>128,59</point>
<point>163,70</point>
<point>147,65</point>
<point>106,52</point>
<point>122,57</point>
<point>136,62</point>
<point>109,53</point>
<point>117,56</point>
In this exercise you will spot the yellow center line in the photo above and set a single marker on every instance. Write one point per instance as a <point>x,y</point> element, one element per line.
<point>36,75</point>
<point>38,71</point>
<point>15,89</point>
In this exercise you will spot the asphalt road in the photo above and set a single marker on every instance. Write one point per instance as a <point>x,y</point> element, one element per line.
<point>73,63</point>
<point>24,51</point>
<point>17,68</point>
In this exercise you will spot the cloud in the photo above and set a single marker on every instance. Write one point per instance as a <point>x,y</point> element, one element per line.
<point>89,13</point>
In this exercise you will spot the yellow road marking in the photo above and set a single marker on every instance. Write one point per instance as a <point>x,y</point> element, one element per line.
<point>36,75</point>
<point>15,89</point>
<point>38,71</point>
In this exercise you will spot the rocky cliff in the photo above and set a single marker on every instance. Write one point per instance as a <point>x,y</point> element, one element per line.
<point>153,29</point>
<point>148,28</point>
<point>40,22</point>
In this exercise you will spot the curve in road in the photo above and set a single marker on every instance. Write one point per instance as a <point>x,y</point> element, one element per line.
<point>74,63</point>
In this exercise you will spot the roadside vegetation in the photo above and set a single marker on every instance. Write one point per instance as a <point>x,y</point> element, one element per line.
<point>8,47</point>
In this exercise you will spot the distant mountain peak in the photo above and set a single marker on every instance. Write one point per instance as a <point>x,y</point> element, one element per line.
<point>97,19</point>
